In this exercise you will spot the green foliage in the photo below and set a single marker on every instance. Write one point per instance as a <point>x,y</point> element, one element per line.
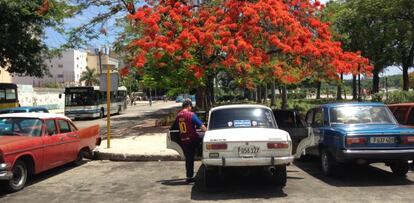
<point>23,23</point>
<point>399,97</point>
<point>377,97</point>
<point>90,77</point>
<point>296,95</point>
<point>131,82</point>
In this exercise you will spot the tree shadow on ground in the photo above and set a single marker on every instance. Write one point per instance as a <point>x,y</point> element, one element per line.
<point>35,179</point>
<point>137,125</point>
<point>352,175</point>
<point>235,186</point>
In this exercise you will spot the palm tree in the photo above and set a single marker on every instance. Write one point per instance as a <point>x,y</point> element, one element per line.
<point>90,77</point>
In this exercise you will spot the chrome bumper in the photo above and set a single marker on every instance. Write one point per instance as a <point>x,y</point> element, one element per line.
<point>253,161</point>
<point>5,174</point>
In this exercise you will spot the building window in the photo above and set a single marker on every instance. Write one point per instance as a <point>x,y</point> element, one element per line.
<point>60,65</point>
<point>60,76</point>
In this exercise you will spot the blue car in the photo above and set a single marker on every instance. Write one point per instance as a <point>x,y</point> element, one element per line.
<point>360,133</point>
<point>32,109</point>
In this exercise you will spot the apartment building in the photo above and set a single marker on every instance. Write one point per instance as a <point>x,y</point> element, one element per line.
<point>66,69</point>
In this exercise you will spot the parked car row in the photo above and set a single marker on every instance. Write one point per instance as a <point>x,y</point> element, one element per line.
<point>252,136</point>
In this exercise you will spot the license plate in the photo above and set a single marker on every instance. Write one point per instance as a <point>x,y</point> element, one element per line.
<point>382,140</point>
<point>248,150</point>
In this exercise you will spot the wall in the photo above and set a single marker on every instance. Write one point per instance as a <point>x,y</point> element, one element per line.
<point>46,97</point>
<point>5,76</point>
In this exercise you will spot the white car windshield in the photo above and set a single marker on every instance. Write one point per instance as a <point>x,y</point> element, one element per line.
<point>241,118</point>
<point>20,127</point>
<point>361,115</point>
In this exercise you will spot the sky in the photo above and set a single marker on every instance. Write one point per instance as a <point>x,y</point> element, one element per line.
<point>54,39</point>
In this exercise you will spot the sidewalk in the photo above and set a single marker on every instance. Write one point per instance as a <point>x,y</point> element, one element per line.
<point>149,147</point>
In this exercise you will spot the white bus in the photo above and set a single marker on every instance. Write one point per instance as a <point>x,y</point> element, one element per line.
<point>90,102</point>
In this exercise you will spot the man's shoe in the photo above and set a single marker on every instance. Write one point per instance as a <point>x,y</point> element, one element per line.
<point>190,180</point>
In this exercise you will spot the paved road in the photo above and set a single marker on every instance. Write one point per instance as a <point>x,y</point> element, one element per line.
<point>132,116</point>
<point>105,181</point>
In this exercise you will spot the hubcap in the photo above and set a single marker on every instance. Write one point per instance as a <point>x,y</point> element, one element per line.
<point>18,176</point>
<point>325,162</point>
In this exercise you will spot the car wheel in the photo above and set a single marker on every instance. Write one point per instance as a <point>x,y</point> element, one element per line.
<point>281,175</point>
<point>400,168</point>
<point>19,177</point>
<point>79,159</point>
<point>102,113</point>
<point>327,163</point>
<point>210,176</point>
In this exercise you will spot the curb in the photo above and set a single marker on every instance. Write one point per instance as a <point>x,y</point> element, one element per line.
<point>134,157</point>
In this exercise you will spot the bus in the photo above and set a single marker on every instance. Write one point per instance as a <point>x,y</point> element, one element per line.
<point>90,102</point>
<point>8,96</point>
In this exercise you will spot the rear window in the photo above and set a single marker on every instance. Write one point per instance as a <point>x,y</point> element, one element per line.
<point>241,118</point>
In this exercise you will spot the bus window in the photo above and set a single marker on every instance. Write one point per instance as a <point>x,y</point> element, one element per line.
<point>10,94</point>
<point>2,95</point>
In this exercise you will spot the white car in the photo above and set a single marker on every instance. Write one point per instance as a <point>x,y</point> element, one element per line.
<point>244,136</point>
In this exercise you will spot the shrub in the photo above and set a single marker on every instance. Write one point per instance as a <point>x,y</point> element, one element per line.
<point>377,97</point>
<point>399,97</point>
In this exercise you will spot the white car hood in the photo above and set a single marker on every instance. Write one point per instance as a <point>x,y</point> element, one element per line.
<point>246,134</point>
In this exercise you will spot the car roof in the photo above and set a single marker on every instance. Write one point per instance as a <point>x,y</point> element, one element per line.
<point>403,104</point>
<point>235,106</point>
<point>26,108</point>
<point>330,105</point>
<point>33,115</point>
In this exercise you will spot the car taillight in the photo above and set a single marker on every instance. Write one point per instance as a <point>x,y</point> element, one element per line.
<point>356,140</point>
<point>407,140</point>
<point>216,146</point>
<point>277,145</point>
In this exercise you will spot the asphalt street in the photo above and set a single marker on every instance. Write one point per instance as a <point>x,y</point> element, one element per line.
<point>132,116</point>
<point>105,181</point>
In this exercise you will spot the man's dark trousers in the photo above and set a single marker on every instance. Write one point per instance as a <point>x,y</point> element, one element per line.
<point>189,150</point>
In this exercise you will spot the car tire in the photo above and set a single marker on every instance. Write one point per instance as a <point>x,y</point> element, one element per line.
<point>102,113</point>
<point>328,163</point>
<point>19,179</point>
<point>79,159</point>
<point>210,176</point>
<point>400,168</point>
<point>280,175</point>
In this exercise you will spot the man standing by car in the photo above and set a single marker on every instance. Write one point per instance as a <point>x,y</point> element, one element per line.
<point>187,122</point>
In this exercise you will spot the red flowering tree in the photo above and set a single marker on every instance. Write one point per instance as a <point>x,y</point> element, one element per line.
<point>258,40</point>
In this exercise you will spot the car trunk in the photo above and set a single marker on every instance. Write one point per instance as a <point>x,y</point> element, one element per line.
<point>245,143</point>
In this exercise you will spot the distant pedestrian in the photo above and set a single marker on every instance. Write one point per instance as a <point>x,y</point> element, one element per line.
<point>187,122</point>
<point>150,101</point>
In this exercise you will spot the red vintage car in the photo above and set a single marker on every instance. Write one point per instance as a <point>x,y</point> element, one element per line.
<point>31,143</point>
<point>403,112</point>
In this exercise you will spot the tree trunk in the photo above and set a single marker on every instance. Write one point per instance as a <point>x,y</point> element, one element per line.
<point>273,99</point>
<point>407,62</point>
<point>259,94</point>
<point>284,97</point>
<point>339,89</point>
<point>200,98</point>
<point>375,82</point>
<point>406,83</point>
<point>318,89</point>
<point>354,87</point>
<point>265,94</point>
